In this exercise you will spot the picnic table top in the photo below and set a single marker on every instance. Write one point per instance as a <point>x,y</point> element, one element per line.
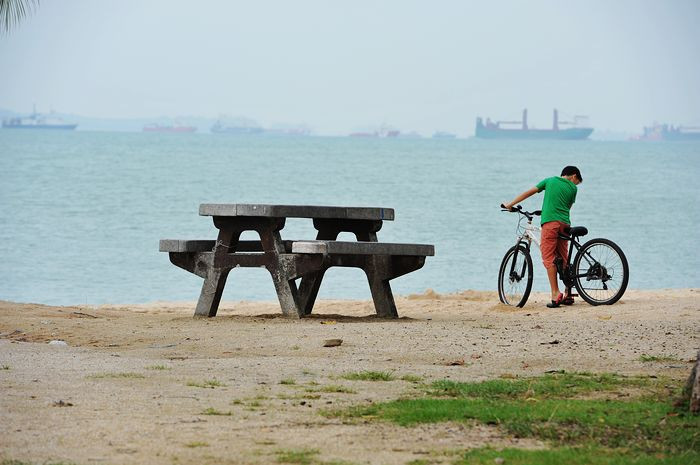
<point>296,211</point>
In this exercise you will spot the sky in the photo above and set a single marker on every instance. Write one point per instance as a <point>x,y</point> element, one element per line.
<point>341,66</point>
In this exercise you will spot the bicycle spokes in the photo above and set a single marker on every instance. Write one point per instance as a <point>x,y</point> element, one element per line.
<point>600,272</point>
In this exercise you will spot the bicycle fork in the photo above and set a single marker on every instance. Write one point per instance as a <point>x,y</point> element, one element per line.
<point>514,275</point>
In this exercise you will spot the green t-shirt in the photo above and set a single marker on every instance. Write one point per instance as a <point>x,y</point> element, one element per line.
<point>559,196</point>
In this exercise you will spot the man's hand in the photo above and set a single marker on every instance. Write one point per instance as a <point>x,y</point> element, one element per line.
<point>508,206</point>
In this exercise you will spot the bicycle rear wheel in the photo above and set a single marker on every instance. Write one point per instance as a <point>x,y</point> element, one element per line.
<point>515,276</point>
<point>601,272</point>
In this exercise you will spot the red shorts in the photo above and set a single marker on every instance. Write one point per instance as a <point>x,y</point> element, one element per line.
<point>550,244</point>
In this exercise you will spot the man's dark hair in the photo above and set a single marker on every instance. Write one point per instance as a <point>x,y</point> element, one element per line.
<point>569,170</point>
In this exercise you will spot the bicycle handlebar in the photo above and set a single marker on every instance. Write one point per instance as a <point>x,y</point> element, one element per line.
<point>519,209</point>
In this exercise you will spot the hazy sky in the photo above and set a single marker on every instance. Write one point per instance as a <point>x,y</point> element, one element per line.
<point>345,65</point>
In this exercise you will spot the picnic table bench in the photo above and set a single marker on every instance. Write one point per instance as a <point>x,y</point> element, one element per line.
<point>289,261</point>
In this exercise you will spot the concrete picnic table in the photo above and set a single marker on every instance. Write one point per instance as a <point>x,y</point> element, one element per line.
<point>289,261</point>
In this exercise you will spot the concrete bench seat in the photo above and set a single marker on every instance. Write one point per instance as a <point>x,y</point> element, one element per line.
<point>362,248</point>
<point>190,245</point>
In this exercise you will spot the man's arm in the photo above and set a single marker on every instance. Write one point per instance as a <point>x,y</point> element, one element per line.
<point>521,197</point>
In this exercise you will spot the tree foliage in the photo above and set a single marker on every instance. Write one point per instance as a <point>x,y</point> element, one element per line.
<point>13,11</point>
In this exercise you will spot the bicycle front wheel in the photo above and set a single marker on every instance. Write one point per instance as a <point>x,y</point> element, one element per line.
<point>515,276</point>
<point>601,272</point>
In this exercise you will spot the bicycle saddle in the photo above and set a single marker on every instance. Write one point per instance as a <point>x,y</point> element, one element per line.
<point>577,231</point>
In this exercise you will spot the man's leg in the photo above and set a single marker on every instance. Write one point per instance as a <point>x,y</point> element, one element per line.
<point>563,252</point>
<point>553,282</point>
<point>548,247</point>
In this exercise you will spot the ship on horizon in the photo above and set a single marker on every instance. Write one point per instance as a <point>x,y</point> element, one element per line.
<point>668,132</point>
<point>578,130</point>
<point>221,128</point>
<point>384,132</point>
<point>177,128</point>
<point>38,121</point>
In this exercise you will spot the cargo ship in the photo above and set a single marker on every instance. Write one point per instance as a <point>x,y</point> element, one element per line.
<point>38,121</point>
<point>177,128</point>
<point>666,132</point>
<point>444,135</point>
<point>383,131</point>
<point>221,128</point>
<point>496,130</point>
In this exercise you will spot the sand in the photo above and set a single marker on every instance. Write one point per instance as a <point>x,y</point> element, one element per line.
<point>129,385</point>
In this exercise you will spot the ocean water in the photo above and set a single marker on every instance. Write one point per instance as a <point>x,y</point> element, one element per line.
<point>81,213</point>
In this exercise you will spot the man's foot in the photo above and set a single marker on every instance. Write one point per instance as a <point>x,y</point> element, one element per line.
<point>568,299</point>
<point>556,303</point>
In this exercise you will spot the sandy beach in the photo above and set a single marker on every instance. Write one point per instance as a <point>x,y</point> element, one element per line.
<point>137,384</point>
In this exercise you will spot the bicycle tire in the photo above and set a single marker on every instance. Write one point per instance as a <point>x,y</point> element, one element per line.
<point>598,259</point>
<point>516,297</point>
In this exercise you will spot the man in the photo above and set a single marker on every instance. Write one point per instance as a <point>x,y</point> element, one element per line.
<point>559,196</point>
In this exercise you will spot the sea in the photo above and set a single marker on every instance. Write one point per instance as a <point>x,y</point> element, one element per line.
<point>81,213</point>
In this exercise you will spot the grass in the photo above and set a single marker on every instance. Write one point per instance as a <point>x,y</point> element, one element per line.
<point>369,376</point>
<point>559,385</point>
<point>305,457</point>
<point>288,381</point>
<point>158,367</point>
<point>208,384</point>
<point>129,375</point>
<point>658,358</point>
<point>568,410</point>
<point>5,367</point>
<point>571,456</point>
<point>213,411</point>
<point>297,456</point>
<point>335,388</point>
<point>194,444</point>
<point>412,378</point>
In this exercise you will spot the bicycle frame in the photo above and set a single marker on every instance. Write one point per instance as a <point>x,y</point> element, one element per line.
<point>532,233</point>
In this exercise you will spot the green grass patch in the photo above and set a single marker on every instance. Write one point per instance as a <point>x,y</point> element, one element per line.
<point>194,444</point>
<point>297,456</point>
<point>213,411</point>
<point>288,381</point>
<point>558,385</point>
<point>369,376</point>
<point>5,367</point>
<point>572,456</point>
<point>208,384</point>
<point>336,388</point>
<point>158,367</point>
<point>412,378</point>
<point>128,375</point>
<point>554,408</point>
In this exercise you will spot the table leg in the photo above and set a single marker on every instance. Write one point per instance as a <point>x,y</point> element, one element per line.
<point>212,290</point>
<point>213,287</point>
<point>311,283</point>
<point>377,271</point>
<point>285,286</point>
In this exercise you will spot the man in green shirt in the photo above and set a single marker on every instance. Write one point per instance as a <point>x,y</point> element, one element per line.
<point>559,196</point>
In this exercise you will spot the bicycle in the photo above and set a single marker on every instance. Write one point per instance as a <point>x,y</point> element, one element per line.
<point>599,272</point>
